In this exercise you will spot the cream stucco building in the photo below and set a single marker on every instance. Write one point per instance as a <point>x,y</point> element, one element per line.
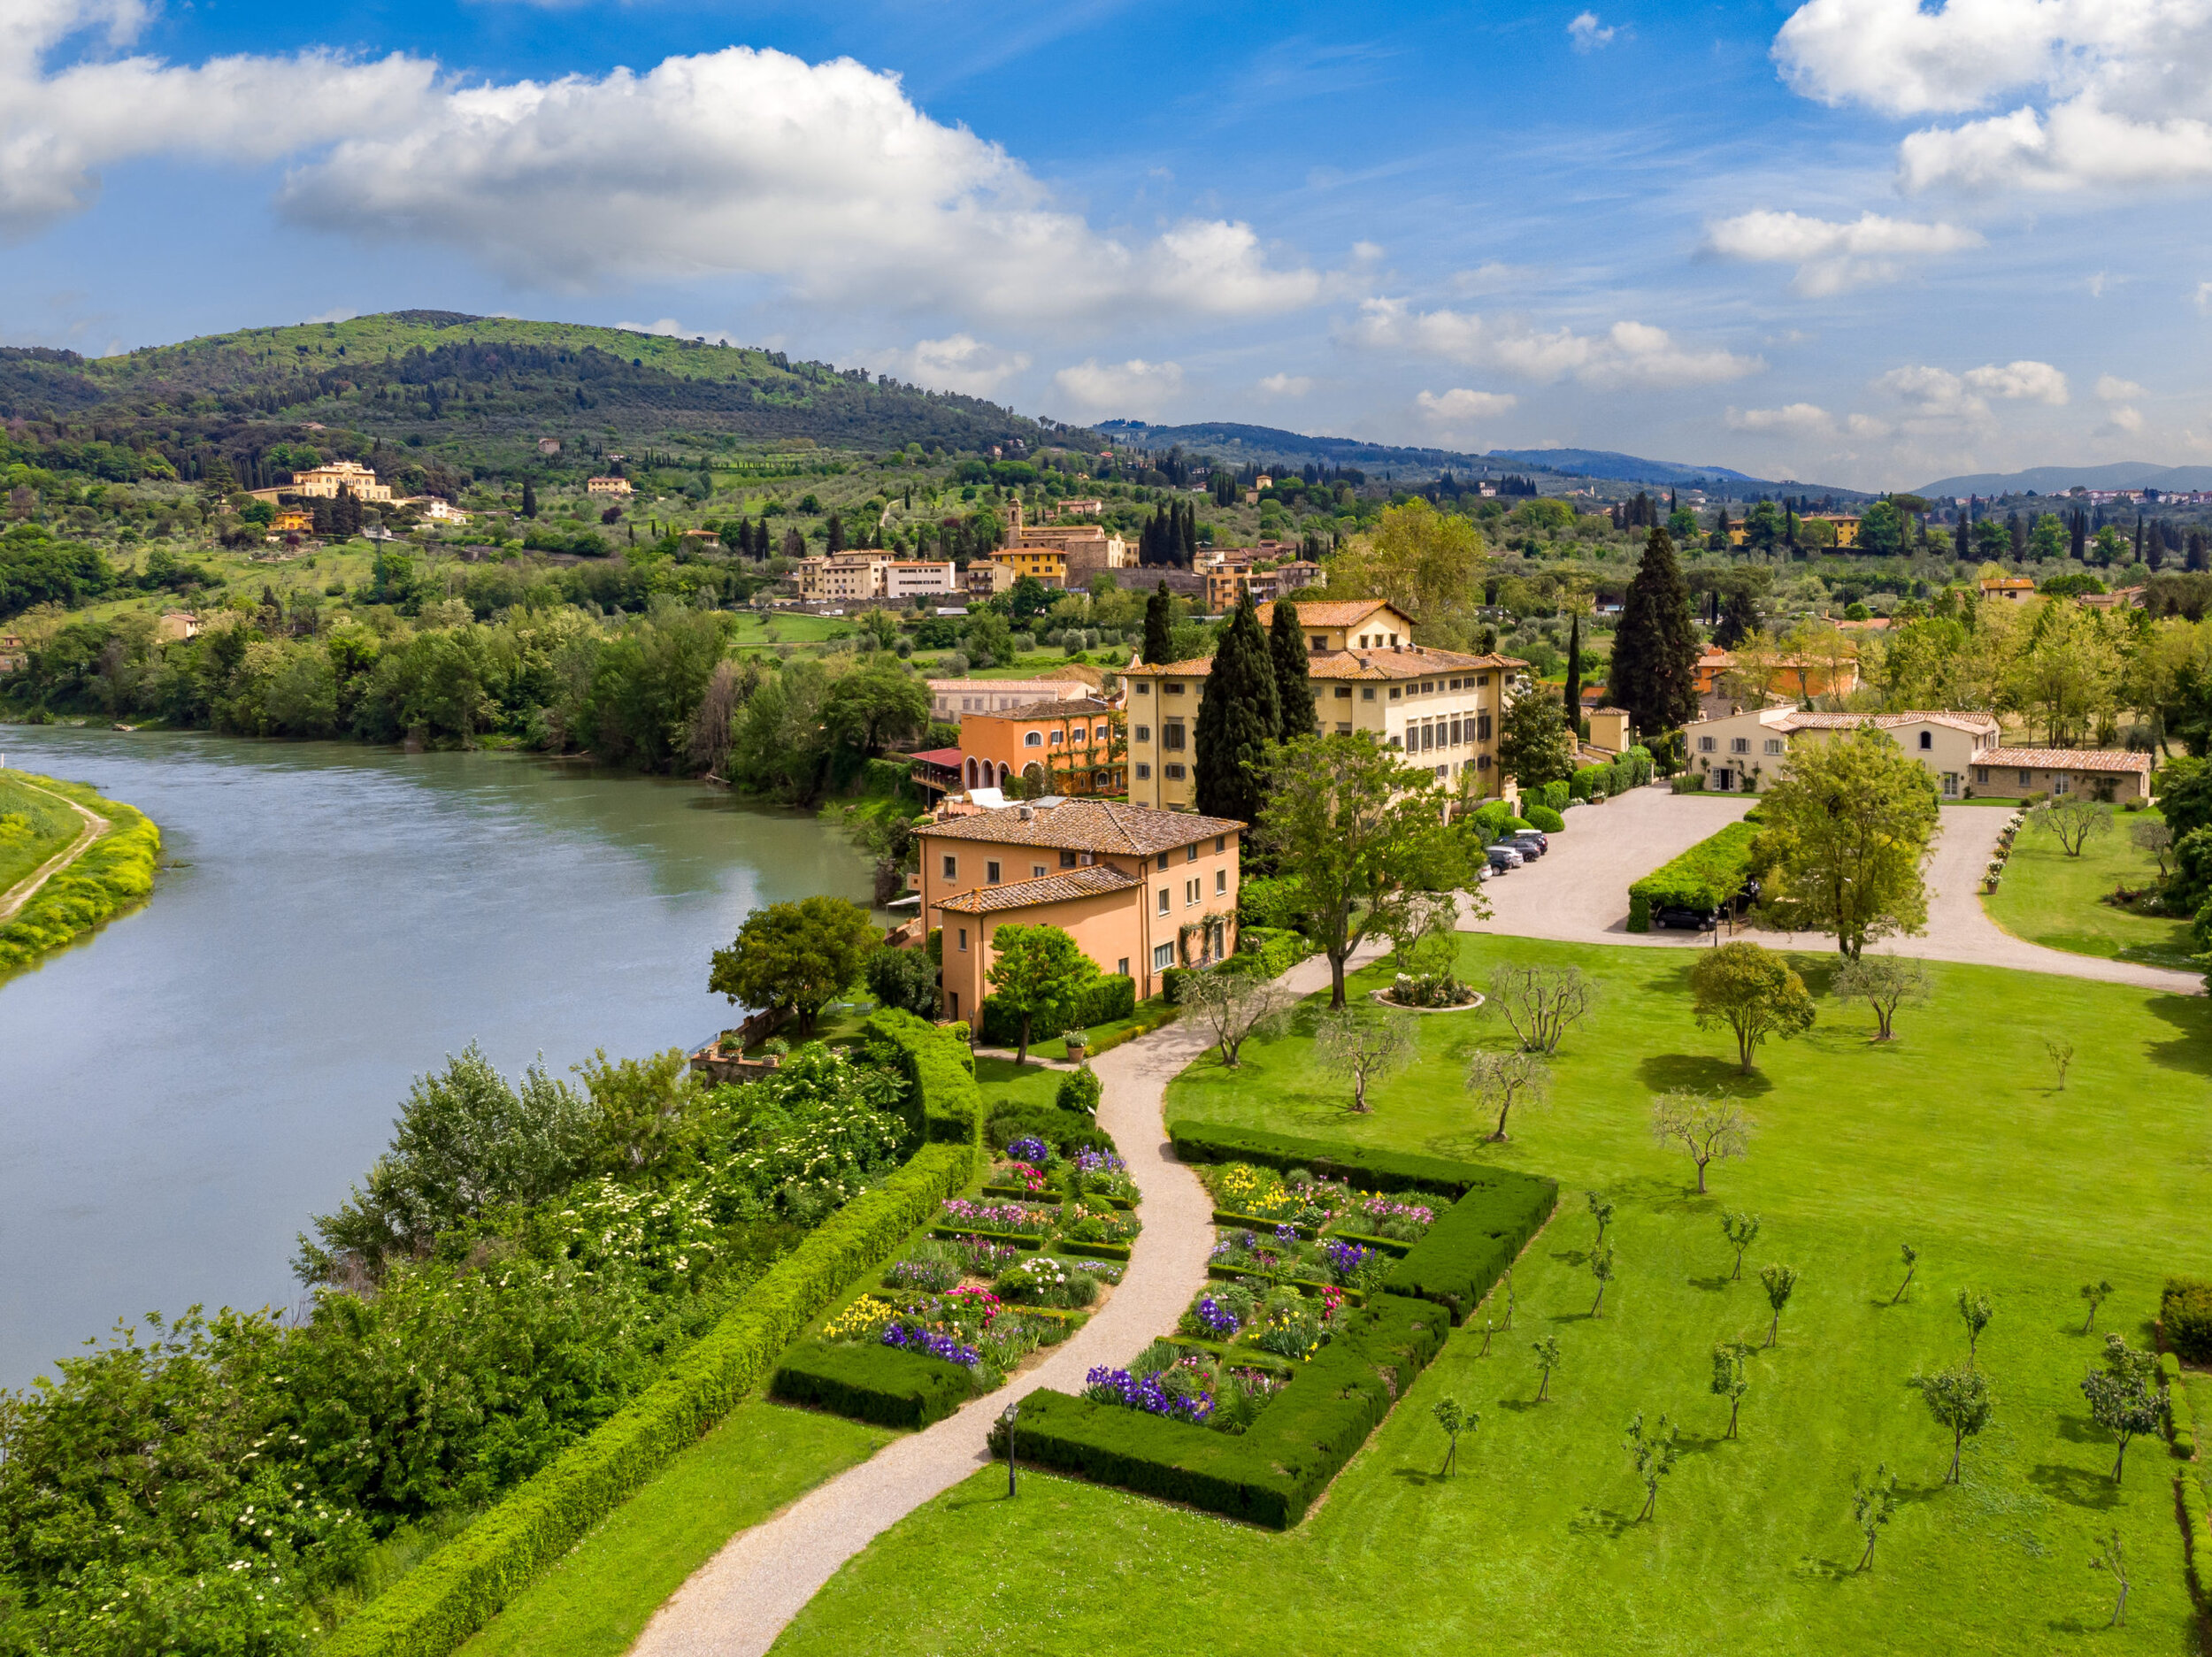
<point>351,475</point>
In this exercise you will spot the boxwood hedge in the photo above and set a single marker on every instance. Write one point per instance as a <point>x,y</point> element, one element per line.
<point>878,1384</point>
<point>1110,997</point>
<point>1270,1474</point>
<point>1373,1169</point>
<point>939,1064</point>
<point>1703,877</point>
<point>1474,1240</point>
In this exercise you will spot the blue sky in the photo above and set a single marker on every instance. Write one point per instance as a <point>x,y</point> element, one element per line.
<point>1852,241</point>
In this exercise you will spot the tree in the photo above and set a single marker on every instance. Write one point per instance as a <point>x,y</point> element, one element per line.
<point>1740,618</point>
<point>1710,1129</point>
<point>1571,693</point>
<point>1541,1003</point>
<point>1547,1352</point>
<point>1976,1311</point>
<point>2147,835</point>
<point>1038,972</point>
<point>1428,564</point>
<point>1498,1081</point>
<point>872,707</point>
<point>640,1108</point>
<point>796,956</point>
<point>1454,1421</point>
<point>1293,691</point>
<point>1652,1454</point>
<point>2111,1558</point>
<point>1959,1400</point>
<point>1601,1269</point>
<point>2061,1055</point>
<point>1884,983</point>
<point>904,978</point>
<point>1238,718</point>
<point>2094,1293</point>
<point>2125,1399</point>
<point>1780,1283</point>
<point>1360,831</point>
<point>1238,1006</point>
<point>1844,828</point>
<point>2073,819</point>
<point>1912,1265</point>
<point>1535,744</point>
<point>1655,648</point>
<point>1730,1376</point>
<point>1159,627</point>
<point>1873,1505</point>
<point>1601,1211</point>
<point>529,499</point>
<point>1751,990</point>
<point>1741,1230</point>
<point>1365,1049</point>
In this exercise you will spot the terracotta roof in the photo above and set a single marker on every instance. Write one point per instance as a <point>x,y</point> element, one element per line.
<point>1412,662</point>
<point>947,757</point>
<point>1022,894</point>
<point>1608,710</point>
<point>2066,759</point>
<point>1886,721</point>
<point>1054,708</point>
<point>1330,612</point>
<point>1091,825</point>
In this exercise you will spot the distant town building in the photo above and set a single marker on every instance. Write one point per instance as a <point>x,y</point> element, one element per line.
<point>324,482</point>
<point>608,486</point>
<point>919,578</point>
<point>2011,589</point>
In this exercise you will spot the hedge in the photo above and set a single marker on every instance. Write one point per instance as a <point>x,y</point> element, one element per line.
<point>1171,982</point>
<point>1703,877</point>
<point>1110,998</point>
<point>2185,1312</point>
<point>1543,817</point>
<point>1067,1131</point>
<point>1270,1474</point>
<point>1268,952</point>
<point>1490,819</point>
<point>116,870</point>
<point>1472,1242</point>
<point>940,1068</point>
<point>1376,1169</point>
<point>459,1588</point>
<point>878,1383</point>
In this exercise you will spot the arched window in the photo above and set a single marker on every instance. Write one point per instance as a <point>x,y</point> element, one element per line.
<point>971,782</point>
<point>1005,773</point>
<point>1032,738</point>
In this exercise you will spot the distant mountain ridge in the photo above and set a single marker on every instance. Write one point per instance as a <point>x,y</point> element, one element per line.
<point>2118,474</point>
<point>1605,462</point>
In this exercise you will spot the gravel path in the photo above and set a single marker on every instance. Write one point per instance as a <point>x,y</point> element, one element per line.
<point>28,888</point>
<point>1577,893</point>
<point>739,1601</point>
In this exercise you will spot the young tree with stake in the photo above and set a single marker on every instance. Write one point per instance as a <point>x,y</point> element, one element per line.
<point>1709,1129</point>
<point>2125,1399</point>
<point>2094,1293</point>
<point>1498,1081</point>
<point>1730,1376</point>
<point>1363,1050</point>
<point>1546,1360</point>
<point>1601,1211</point>
<point>1873,1505</point>
<point>2112,1560</point>
<point>1652,1452</point>
<point>1912,1265</point>
<point>1958,1397</point>
<point>1976,1311</point>
<point>1780,1283</point>
<point>1454,1421</point>
<point>1601,1269</point>
<point>1741,1230</point>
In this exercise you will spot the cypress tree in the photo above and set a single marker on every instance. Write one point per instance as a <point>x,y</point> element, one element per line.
<point>1158,614</point>
<point>1293,692</point>
<point>1238,718</point>
<point>836,543</point>
<point>529,500</point>
<point>1655,650</point>
<point>1739,620</point>
<point>1573,692</point>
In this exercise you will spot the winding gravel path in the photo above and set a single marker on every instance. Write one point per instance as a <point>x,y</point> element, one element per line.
<point>739,1601</point>
<point>28,888</point>
<point>1577,893</point>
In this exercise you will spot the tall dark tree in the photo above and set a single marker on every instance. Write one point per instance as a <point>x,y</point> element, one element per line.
<point>1238,718</point>
<point>2138,537</point>
<point>836,543</point>
<point>1571,697</point>
<point>529,499</point>
<point>1159,613</point>
<point>1294,692</point>
<point>2077,543</point>
<point>1740,618</point>
<point>1653,674</point>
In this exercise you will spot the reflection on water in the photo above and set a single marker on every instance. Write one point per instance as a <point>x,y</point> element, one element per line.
<point>179,1092</point>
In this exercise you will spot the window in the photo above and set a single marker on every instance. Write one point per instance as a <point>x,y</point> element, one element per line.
<point>1482,727</point>
<point>1981,773</point>
<point>990,872</point>
<point>952,867</point>
<point>1951,785</point>
<point>1036,871</point>
<point>1482,679</point>
<point>1192,891</point>
<point>1161,863</point>
<point>1455,741</point>
<point>1367,693</point>
<point>1774,745</point>
<point>1101,734</point>
<point>964,937</point>
<point>1163,900</point>
<point>1393,640</point>
<point>1221,843</point>
<point>1395,692</point>
<point>1144,687</point>
<point>1144,772</point>
<point>1162,955</point>
<point>1055,739</point>
<point>1482,762</point>
<point>1122,966</point>
<point>1707,745</point>
<point>1221,882</point>
<point>1344,693</point>
<point>1067,860</point>
<point>2024,780</point>
<point>1030,738</point>
<point>1190,853</point>
<point>1441,772</point>
<point>1174,773</point>
<point>1171,736</point>
<point>1144,734</point>
<point>1344,727</point>
<point>956,1003</point>
<point>1396,742</point>
<point>1740,745</point>
<point>2058,782</point>
<point>1927,739</point>
<point>1175,689</point>
<point>1319,643</point>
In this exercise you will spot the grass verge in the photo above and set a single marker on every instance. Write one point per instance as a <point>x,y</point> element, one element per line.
<point>2051,899</point>
<point>116,870</point>
<point>33,826</point>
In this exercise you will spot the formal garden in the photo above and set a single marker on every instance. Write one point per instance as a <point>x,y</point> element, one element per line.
<point>1814,1349</point>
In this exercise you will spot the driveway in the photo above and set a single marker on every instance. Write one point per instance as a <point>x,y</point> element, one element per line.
<point>1577,893</point>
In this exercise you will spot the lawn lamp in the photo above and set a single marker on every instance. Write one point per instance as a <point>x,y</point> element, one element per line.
<point>1012,1412</point>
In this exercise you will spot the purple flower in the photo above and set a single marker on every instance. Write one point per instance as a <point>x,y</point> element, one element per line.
<point>1145,1392</point>
<point>1347,1259</point>
<point>1097,1162</point>
<point>1217,1317</point>
<point>929,1344</point>
<point>1028,1149</point>
<point>1286,1233</point>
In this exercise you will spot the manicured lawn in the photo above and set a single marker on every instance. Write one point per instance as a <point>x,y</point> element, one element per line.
<point>33,826</point>
<point>1025,1084</point>
<point>2053,900</point>
<point>1954,1138</point>
<point>593,1603</point>
<point>1148,1016</point>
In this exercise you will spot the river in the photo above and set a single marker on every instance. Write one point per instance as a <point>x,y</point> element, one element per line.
<point>180,1091</point>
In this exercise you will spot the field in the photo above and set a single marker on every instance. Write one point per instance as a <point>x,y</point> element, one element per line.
<point>1970,1150</point>
<point>33,826</point>
<point>2053,900</point>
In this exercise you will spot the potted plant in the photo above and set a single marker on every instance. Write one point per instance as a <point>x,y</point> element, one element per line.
<point>1078,1039</point>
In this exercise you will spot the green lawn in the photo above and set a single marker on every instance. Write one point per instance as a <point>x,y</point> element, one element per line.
<point>1963,1147</point>
<point>33,826</point>
<point>2053,900</point>
<point>593,1603</point>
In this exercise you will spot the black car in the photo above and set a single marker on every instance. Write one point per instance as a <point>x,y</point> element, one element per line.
<point>1529,842</point>
<point>1698,920</point>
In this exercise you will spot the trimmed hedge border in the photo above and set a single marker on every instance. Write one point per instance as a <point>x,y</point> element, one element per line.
<point>1383,1170</point>
<point>1468,1248</point>
<point>459,1588</point>
<point>1091,1250</point>
<point>1272,1474</point>
<point>116,870</point>
<point>1703,877</point>
<point>938,1061</point>
<point>1111,999</point>
<point>878,1384</point>
<point>1268,952</point>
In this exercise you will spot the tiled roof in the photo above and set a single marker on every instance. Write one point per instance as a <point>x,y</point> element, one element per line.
<point>1090,825</point>
<point>1412,662</point>
<point>1974,722</point>
<point>1022,894</point>
<point>948,756</point>
<point>1329,612</point>
<point>2068,759</point>
<point>1059,708</point>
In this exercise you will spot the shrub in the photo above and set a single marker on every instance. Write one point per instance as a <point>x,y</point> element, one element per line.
<point>1490,819</point>
<point>1079,1092</point>
<point>939,1070</point>
<point>1062,1130</point>
<point>1473,1241</point>
<point>1266,952</point>
<point>2185,1311</point>
<point>1552,797</point>
<point>1111,998</point>
<point>1705,877</point>
<point>1514,824</point>
<point>1361,1165</point>
<point>1544,818</point>
<point>1277,903</point>
<point>873,1382</point>
<point>1172,983</point>
<point>1688,782</point>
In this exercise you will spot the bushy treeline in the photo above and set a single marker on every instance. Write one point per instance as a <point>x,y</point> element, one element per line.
<point>521,1262</point>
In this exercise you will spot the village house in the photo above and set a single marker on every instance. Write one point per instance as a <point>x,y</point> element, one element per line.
<point>2020,773</point>
<point>1743,752</point>
<point>987,577</point>
<point>1062,745</point>
<point>919,578</point>
<point>1442,708</point>
<point>326,482</point>
<point>1800,677</point>
<point>617,486</point>
<point>1139,890</point>
<point>2011,589</point>
<point>952,699</point>
<point>1048,564</point>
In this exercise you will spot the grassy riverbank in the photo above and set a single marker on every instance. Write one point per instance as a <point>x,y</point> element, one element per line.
<point>112,873</point>
<point>34,827</point>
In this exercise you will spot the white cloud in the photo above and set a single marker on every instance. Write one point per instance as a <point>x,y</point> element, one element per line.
<point>337,313</point>
<point>826,178</point>
<point>2020,382</point>
<point>1367,252</point>
<point>2121,422</point>
<point>2110,93</point>
<point>1627,354</point>
<point>1487,278</point>
<point>1287,385</point>
<point>2204,296</point>
<point>1805,419</point>
<point>1935,397</point>
<point>1588,34</point>
<point>1832,256</point>
<point>1111,389</point>
<point>1460,405</point>
<point>960,363</point>
<point>2112,388</point>
<point>668,328</point>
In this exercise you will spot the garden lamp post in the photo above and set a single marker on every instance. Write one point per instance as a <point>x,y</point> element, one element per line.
<point>1012,1412</point>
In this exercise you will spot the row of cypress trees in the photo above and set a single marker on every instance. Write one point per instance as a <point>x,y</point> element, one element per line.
<point>1258,693</point>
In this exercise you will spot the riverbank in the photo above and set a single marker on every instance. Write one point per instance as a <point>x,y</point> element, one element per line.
<point>108,868</point>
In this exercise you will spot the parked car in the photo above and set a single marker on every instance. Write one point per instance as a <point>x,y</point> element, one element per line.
<point>1700,920</point>
<point>1529,841</point>
<point>1503,856</point>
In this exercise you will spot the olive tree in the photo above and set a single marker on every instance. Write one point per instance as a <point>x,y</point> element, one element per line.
<point>1454,1421</point>
<point>1975,1311</point>
<point>1710,1129</point>
<point>1498,1081</point>
<point>1885,983</point>
<point>1236,1007</point>
<point>1873,1505</point>
<point>1651,1451</point>
<point>1780,1283</point>
<point>2151,834</point>
<point>2125,1399</point>
<point>2074,821</point>
<point>1752,991</point>
<point>1541,1003</point>
<point>1547,1352</point>
<point>1601,1269</point>
<point>1741,1230</point>
<point>1364,1049</point>
<point>1730,1376</point>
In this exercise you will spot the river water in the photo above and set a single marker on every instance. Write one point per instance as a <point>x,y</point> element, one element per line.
<point>181,1089</point>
